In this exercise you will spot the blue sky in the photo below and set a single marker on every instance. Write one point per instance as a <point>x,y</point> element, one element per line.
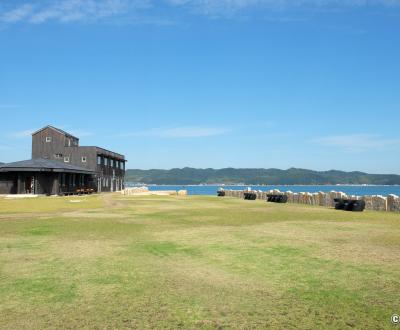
<point>201,83</point>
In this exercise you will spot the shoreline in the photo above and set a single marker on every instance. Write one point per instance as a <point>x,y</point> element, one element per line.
<point>261,185</point>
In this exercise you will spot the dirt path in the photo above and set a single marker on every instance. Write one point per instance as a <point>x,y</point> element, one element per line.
<point>110,202</point>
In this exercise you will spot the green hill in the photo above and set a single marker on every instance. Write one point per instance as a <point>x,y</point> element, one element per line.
<point>257,176</point>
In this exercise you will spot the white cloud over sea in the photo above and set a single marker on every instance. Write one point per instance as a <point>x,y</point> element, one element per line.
<point>358,142</point>
<point>154,12</point>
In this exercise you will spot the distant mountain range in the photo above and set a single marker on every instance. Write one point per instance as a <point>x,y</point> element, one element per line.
<point>254,176</point>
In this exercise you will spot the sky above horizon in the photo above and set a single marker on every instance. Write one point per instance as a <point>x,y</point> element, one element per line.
<point>233,83</point>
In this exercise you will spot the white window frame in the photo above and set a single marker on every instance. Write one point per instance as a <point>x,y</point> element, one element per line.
<point>66,159</point>
<point>49,139</point>
<point>84,159</point>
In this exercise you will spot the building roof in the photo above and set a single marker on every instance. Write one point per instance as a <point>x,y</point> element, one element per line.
<point>56,129</point>
<point>43,165</point>
<point>106,152</point>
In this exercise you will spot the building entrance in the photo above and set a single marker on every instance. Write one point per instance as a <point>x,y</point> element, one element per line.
<point>30,185</point>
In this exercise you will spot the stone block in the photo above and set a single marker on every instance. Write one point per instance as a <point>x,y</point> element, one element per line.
<point>393,203</point>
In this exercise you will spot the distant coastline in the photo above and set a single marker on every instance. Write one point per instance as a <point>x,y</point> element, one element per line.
<point>261,177</point>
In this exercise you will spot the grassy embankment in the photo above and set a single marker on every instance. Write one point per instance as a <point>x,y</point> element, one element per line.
<point>195,262</point>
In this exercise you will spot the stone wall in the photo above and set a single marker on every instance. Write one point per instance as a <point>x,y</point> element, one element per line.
<point>393,203</point>
<point>134,191</point>
<point>390,203</point>
<point>144,191</point>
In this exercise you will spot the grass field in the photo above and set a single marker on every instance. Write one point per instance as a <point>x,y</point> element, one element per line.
<point>110,261</point>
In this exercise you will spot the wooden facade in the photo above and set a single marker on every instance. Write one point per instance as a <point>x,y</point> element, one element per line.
<point>42,176</point>
<point>45,183</point>
<point>55,144</point>
<point>59,165</point>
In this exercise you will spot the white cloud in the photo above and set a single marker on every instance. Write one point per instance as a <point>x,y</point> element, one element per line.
<point>358,142</point>
<point>181,132</point>
<point>218,8</point>
<point>22,134</point>
<point>71,10</point>
<point>148,11</point>
<point>17,14</point>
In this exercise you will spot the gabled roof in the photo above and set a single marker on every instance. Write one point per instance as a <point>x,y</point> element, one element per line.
<point>43,165</point>
<point>56,129</point>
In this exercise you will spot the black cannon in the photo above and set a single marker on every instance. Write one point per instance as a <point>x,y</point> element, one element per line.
<point>250,196</point>
<point>277,198</point>
<point>221,193</point>
<point>339,203</point>
<point>352,205</point>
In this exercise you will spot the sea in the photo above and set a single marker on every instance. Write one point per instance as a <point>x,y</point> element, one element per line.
<point>360,190</point>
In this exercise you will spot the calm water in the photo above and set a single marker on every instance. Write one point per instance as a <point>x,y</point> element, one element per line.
<point>350,190</point>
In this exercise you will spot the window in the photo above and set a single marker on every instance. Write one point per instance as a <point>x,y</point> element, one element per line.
<point>48,138</point>
<point>58,156</point>
<point>83,159</point>
<point>117,164</point>
<point>112,162</point>
<point>123,165</point>
<point>66,159</point>
<point>98,160</point>
<point>105,161</point>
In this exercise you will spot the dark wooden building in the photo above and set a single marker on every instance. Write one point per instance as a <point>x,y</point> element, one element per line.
<point>55,144</point>
<point>43,176</point>
<point>58,158</point>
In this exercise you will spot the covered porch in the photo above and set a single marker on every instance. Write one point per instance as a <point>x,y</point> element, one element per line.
<point>45,177</point>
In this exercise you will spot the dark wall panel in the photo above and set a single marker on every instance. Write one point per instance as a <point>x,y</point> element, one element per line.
<point>8,183</point>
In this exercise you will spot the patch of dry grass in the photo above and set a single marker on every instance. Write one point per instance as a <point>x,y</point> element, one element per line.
<point>195,262</point>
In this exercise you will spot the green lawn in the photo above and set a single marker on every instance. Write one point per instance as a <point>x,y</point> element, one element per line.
<point>111,261</point>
